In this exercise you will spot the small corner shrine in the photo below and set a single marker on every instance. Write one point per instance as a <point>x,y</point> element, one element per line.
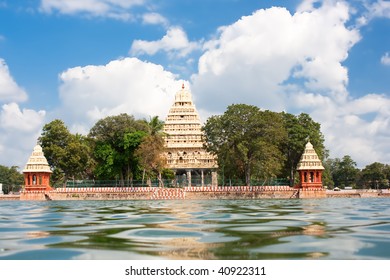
<point>310,169</point>
<point>185,153</point>
<point>37,172</point>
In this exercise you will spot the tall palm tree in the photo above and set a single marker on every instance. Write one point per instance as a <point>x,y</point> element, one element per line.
<point>155,126</point>
<point>153,148</point>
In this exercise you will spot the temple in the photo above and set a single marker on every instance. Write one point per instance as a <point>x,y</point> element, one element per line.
<point>310,169</point>
<point>37,172</point>
<point>185,152</point>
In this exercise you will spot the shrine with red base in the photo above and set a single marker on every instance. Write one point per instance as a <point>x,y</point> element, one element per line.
<point>37,172</point>
<point>310,170</point>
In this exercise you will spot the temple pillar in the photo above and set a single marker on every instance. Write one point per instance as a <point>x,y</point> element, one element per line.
<point>202,176</point>
<point>189,178</point>
<point>214,179</point>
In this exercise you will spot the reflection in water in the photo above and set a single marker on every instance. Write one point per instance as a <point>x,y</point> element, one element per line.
<point>37,234</point>
<point>230,229</point>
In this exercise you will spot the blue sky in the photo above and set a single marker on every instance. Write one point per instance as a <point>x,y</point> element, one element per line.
<point>83,60</point>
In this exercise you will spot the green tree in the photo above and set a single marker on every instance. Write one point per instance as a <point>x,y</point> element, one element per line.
<point>299,130</point>
<point>77,162</point>
<point>375,176</point>
<point>247,141</point>
<point>150,151</point>
<point>115,139</point>
<point>154,125</point>
<point>54,139</point>
<point>344,172</point>
<point>327,179</point>
<point>150,155</point>
<point>11,179</point>
<point>68,155</point>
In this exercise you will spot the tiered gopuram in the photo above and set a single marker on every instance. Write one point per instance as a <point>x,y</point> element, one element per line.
<point>185,153</point>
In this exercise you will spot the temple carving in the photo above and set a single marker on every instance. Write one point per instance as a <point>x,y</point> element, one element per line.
<point>185,153</point>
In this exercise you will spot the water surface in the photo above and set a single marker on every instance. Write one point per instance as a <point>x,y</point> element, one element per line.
<point>184,229</point>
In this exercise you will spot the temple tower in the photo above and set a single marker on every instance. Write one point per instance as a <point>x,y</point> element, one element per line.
<point>185,154</point>
<point>37,172</point>
<point>310,168</point>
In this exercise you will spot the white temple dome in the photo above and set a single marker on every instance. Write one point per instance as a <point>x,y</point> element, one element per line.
<point>183,95</point>
<point>37,162</point>
<point>309,159</point>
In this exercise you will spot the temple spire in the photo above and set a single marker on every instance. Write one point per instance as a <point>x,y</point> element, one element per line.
<point>185,153</point>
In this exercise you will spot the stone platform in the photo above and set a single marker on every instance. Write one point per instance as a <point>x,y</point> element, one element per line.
<point>155,193</point>
<point>192,193</point>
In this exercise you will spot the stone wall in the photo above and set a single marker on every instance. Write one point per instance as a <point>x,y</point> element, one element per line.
<point>239,192</point>
<point>312,193</point>
<point>357,193</point>
<point>147,193</point>
<point>33,195</point>
<point>194,193</point>
<point>106,193</point>
<point>9,197</point>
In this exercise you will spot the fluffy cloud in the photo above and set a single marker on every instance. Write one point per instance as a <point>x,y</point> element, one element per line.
<point>379,9</point>
<point>174,42</point>
<point>374,9</point>
<point>118,9</point>
<point>27,120</point>
<point>154,18</point>
<point>19,128</point>
<point>19,131</point>
<point>385,59</point>
<point>294,62</point>
<point>255,58</point>
<point>122,86</point>
<point>9,90</point>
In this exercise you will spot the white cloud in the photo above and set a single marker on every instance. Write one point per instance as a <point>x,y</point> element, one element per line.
<point>19,131</point>
<point>122,86</point>
<point>154,18</point>
<point>357,127</point>
<point>27,120</point>
<point>379,9</point>
<point>385,59</point>
<point>294,62</point>
<point>9,90</point>
<point>174,42</point>
<point>255,58</point>
<point>118,9</point>
<point>374,9</point>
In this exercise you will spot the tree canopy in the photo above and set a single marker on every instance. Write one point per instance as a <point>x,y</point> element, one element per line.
<point>299,130</point>
<point>115,140</point>
<point>11,179</point>
<point>67,154</point>
<point>259,144</point>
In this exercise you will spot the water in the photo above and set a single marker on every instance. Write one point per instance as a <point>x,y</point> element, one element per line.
<point>231,229</point>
